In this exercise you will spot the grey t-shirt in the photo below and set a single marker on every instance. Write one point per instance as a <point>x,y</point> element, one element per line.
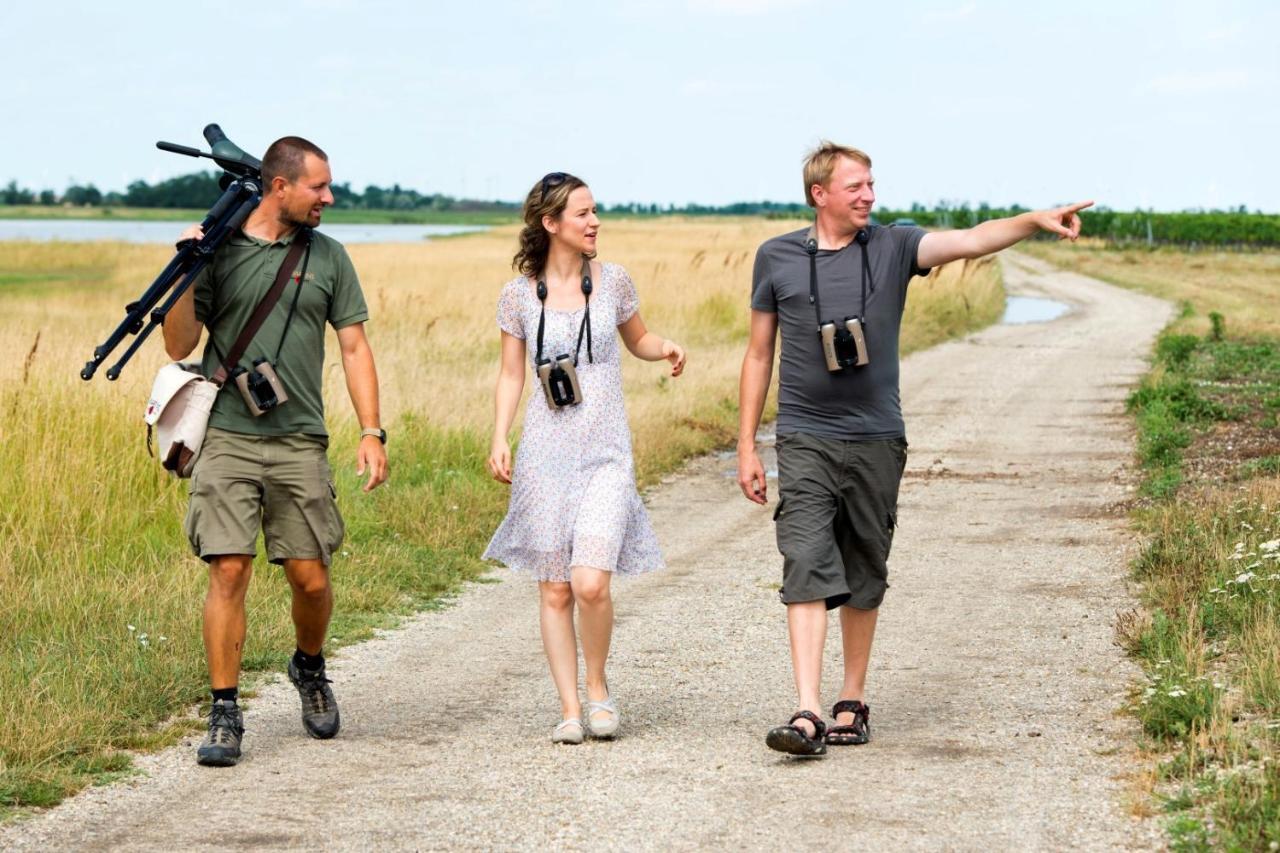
<point>858,403</point>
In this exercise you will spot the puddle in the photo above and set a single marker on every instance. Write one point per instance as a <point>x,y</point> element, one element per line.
<point>769,473</point>
<point>1032,309</point>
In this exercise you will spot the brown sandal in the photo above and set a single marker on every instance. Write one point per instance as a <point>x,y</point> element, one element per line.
<point>857,732</point>
<point>792,739</point>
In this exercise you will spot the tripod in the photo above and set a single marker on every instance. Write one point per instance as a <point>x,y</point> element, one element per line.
<point>241,184</point>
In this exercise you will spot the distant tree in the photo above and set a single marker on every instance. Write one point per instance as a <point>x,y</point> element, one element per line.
<point>48,198</point>
<point>344,197</point>
<point>82,195</point>
<point>13,194</point>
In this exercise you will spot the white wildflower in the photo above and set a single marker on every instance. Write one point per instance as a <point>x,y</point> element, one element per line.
<point>131,628</point>
<point>1244,577</point>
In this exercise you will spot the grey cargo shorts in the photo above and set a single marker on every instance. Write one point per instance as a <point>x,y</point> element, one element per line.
<point>837,510</point>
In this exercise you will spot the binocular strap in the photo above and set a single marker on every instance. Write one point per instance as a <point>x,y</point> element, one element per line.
<point>585,328</point>
<point>301,243</point>
<point>811,247</point>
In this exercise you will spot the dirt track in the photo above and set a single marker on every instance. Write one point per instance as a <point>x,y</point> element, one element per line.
<point>994,682</point>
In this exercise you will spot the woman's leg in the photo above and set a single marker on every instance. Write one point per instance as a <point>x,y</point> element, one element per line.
<point>595,622</point>
<point>560,644</point>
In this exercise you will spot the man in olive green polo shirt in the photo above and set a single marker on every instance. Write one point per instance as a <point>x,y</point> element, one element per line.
<point>270,471</point>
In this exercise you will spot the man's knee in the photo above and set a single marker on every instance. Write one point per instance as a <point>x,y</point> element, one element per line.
<point>309,578</point>
<point>229,574</point>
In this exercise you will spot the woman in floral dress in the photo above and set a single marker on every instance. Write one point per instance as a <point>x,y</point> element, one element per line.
<point>575,517</point>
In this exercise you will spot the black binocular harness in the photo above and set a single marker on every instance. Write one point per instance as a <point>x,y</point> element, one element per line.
<point>586,315</point>
<point>863,237</point>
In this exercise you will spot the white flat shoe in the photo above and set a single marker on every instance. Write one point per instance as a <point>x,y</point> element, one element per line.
<point>607,727</point>
<point>569,731</point>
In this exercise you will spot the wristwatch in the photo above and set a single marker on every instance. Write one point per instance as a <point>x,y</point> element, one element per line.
<point>380,434</point>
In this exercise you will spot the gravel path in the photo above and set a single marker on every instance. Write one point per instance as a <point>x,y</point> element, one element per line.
<point>994,690</point>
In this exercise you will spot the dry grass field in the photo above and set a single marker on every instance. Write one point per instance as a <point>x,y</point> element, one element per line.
<point>100,645</point>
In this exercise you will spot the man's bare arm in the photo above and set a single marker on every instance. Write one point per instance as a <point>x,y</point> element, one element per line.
<point>362,385</point>
<point>181,329</point>
<point>939,247</point>
<point>753,388</point>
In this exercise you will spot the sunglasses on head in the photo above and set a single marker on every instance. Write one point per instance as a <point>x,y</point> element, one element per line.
<point>551,181</point>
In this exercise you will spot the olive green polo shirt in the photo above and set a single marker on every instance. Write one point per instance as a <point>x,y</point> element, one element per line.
<point>226,293</point>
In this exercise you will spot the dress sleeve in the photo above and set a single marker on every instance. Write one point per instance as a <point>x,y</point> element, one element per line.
<point>625,296</point>
<point>510,317</point>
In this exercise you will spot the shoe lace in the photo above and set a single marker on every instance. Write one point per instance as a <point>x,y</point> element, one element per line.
<point>222,725</point>
<point>313,685</point>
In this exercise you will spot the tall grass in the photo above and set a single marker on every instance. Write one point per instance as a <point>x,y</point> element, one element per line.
<point>100,647</point>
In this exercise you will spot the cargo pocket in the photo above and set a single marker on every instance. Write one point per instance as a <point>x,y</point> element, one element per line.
<point>891,524</point>
<point>777,511</point>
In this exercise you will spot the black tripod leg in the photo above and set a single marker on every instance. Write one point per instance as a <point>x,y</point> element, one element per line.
<point>227,209</point>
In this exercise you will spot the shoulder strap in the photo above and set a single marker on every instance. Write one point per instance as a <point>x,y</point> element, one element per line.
<point>259,316</point>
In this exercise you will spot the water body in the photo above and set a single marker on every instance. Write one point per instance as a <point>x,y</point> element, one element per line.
<point>139,231</point>
<point>1032,309</point>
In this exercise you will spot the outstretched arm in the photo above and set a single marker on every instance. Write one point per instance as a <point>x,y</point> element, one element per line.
<point>753,387</point>
<point>648,346</point>
<point>362,385</point>
<point>939,247</point>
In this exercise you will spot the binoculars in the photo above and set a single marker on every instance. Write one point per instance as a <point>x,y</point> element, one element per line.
<point>559,380</point>
<point>843,346</point>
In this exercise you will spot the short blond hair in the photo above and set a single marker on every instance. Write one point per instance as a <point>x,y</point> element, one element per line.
<point>821,162</point>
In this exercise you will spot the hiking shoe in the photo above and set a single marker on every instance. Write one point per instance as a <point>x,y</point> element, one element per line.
<point>221,747</point>
<point>319,708</point>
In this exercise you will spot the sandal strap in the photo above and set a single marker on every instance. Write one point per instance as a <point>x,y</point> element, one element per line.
<point>850,706</point>
<point>819,727</point>
<point>604,705</point>
<point>572,721</point>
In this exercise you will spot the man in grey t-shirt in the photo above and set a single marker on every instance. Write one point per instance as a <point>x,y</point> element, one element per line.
<point>841,439</point>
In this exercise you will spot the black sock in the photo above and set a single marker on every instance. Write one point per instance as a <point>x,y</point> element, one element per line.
<point>311,663</point>
<point>227,693</point>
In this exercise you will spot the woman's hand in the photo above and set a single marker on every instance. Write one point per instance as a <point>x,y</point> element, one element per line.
<point>674,353</point>
<point>500,460</point>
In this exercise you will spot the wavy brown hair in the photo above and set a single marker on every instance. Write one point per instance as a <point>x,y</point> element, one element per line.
<point>545,198</point>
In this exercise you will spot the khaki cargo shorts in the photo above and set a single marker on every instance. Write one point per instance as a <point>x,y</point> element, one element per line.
<point>280,484</point>
<point>837,510</point>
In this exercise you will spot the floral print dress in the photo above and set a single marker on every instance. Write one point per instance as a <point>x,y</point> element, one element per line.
<point>573,492</point>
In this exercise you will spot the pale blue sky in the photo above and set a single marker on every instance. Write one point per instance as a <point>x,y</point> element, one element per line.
<point>1167,105</point>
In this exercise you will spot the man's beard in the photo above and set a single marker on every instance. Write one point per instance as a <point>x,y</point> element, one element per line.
<point>285,218</point>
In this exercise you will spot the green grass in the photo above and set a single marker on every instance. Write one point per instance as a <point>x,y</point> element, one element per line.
<point>1209,636</point>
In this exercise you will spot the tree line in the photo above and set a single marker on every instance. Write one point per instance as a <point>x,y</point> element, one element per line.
<point>1235,227</point>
